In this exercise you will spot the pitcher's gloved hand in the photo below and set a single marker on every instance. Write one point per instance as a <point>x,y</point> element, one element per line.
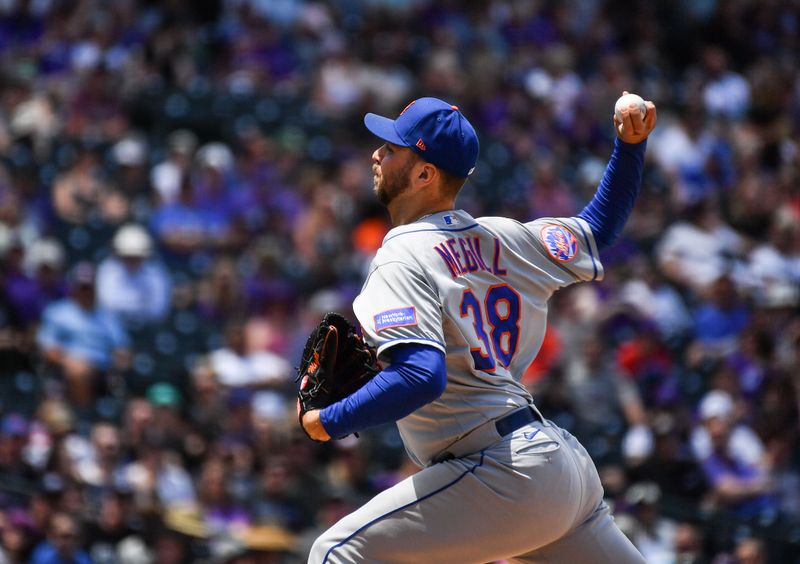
<point>336,362</point>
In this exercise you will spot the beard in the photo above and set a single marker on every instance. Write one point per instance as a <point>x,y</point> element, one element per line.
<point>389,186</point>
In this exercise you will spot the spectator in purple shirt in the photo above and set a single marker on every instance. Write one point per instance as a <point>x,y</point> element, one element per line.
<point>219,509</point>
<point>737,485</point>
<point>19,287</point>
<point>34,278</point>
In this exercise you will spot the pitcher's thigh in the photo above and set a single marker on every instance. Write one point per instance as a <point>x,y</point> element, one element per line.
<point>475,509</point>
<point>449,512</point>
<point>399,524</point>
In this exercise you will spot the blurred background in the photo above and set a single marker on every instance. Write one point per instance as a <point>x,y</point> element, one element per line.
<point>185,188</point>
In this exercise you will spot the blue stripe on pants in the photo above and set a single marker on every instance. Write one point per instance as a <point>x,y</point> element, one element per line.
<point>426,496</point>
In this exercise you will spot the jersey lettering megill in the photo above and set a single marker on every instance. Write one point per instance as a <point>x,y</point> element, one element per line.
<point>477,289</point>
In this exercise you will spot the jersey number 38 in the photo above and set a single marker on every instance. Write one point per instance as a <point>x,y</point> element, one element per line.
<point>499,333</point>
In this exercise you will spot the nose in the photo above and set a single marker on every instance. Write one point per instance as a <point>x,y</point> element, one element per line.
<point>377,155</point>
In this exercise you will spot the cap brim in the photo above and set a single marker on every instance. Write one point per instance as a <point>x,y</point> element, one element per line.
<point>383,128</point>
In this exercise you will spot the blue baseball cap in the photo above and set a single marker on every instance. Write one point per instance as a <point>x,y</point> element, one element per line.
<point>437,131</point>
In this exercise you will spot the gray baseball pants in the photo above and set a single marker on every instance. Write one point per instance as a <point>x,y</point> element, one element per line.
<point>532,496</point>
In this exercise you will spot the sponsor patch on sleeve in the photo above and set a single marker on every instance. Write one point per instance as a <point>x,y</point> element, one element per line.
<point>559,241</point>
<point>400,317</point>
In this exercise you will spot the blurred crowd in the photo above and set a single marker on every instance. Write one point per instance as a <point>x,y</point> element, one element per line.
<point>185,188</point>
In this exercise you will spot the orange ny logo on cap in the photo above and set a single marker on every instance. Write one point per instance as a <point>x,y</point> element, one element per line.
<point>409,105</point>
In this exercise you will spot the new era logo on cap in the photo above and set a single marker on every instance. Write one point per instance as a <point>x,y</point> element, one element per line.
<point>450,141</point>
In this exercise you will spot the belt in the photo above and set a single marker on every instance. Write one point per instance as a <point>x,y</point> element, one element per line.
<point>516,419</point>
<point>489,433</point>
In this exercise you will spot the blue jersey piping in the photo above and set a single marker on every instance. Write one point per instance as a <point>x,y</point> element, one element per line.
<point>435,229</point>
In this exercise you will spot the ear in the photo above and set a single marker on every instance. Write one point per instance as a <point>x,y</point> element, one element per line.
<point>426,174</point>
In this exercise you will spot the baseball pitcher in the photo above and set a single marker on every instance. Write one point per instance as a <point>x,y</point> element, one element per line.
<point>455,307</point>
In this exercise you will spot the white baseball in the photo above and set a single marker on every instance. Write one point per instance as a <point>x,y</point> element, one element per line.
<point>626,100</point>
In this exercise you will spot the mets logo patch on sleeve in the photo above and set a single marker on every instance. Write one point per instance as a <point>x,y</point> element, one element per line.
<point>395,318</point>
<point>559,242</point>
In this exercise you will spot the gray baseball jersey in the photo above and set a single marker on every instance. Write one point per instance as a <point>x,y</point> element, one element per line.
<point>477,290</point>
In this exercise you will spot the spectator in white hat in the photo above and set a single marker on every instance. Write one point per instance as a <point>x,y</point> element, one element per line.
<point>716,414</point>
<point>132,282</point>
<point>166,176</point>
<point>131,173</point>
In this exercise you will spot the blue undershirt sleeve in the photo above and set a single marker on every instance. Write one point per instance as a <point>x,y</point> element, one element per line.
<point>415,377</point>
<point>613,202</point>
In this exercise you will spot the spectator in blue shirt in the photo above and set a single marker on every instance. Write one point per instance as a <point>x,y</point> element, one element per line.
<point>62,544</point>
<point>82,341</point>
<point>720,319</point>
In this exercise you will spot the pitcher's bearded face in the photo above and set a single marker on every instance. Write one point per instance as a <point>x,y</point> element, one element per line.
<point>391,169</point>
